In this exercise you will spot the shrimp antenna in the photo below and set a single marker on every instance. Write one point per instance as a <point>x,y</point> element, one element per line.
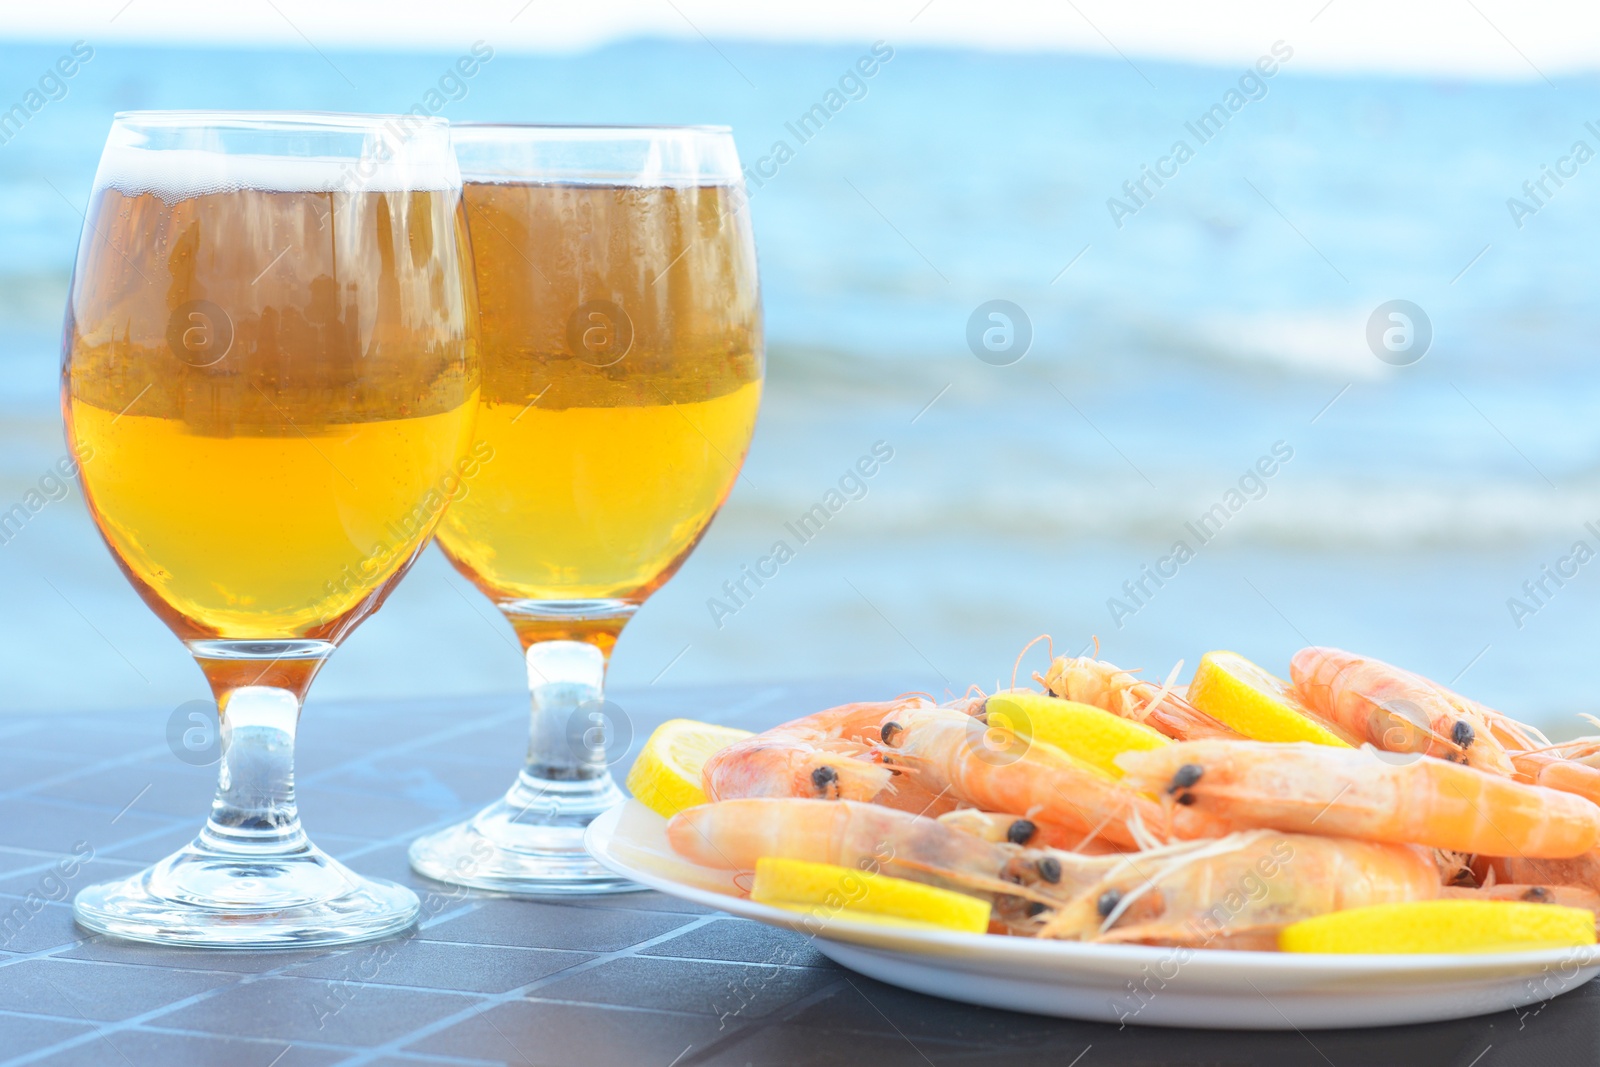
<point>1207,850</point>
<point>1050,648</point>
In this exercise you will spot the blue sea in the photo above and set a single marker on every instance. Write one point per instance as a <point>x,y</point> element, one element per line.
<point>1195,318</point>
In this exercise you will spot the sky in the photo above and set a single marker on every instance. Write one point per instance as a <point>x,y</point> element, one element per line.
<point>1487,39</point>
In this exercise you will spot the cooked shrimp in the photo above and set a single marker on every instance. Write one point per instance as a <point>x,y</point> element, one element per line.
<point>1110,688</point>
<point>828,755</point>
<point>1571,896</point>
<point>1014,829</point>
<point>1581,871</point>
<point>997,770</point>
<point>733,834</point>
<point>1308,788</point>
<point>1554,769</point>
<point>1508,731</point>
<point>1383,704</point>
<point>1239,891</point>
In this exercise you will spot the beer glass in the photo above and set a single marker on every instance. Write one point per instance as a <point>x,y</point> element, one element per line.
<point>270,375</point>
<point>621,326</point>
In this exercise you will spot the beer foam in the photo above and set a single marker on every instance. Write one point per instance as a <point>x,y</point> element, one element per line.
<point>179,174</point>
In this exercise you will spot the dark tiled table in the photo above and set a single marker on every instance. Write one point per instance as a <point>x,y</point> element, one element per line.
<point>638,979</point>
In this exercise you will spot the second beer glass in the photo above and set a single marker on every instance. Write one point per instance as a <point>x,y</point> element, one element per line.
<point>621,327</point>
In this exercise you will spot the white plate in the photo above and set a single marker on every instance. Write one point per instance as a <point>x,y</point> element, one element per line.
<point>1131,984</point>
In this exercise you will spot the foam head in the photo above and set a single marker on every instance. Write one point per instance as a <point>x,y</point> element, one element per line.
<point>178,155</point>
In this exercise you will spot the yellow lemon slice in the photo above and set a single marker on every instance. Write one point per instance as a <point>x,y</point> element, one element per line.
<point>666,776</point>
<point>1092,735</point>
<point>1260,705</point>
<point>1442,926</point>
<point>828,891</point>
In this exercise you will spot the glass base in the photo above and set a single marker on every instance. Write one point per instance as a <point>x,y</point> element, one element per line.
<point>529,843</point>
<point>209,898</point>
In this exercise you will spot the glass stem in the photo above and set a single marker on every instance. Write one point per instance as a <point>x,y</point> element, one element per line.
<point>567,682</point>
<point>254,810</point>
<point>565,781</point>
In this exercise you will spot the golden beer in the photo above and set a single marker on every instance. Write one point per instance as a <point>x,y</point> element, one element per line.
<point>269,437</point>
<point>622,366</point>
<point>269,378</point>
<point>622,363</point>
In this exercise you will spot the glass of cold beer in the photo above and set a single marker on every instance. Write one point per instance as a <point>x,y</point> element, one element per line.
<point>621,325</point>
<point>271,376</point>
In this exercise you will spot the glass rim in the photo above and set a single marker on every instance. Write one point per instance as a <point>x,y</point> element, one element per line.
<point>625,154</point>
<point>197,118</point>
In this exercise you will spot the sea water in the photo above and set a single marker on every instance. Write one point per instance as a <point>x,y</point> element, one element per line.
<point>1188,330</point>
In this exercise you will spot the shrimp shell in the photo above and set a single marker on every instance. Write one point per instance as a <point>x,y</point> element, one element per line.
<point>998,826</point>
<point>1369,699</point>
<point>1553,770</point>
<point>1110,688</point>
<point>734,834</point>
<point>1582,871</point>
<point>1239,891</point>
<point>1571,896</point>
<point>997,770</point>
<point>827,755</point>
<point>1306,788</point>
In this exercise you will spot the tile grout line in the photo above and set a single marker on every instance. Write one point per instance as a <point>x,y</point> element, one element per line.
<point>366,1057</point>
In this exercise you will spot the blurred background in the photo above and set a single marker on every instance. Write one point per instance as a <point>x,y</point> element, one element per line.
<point>1183,333</point>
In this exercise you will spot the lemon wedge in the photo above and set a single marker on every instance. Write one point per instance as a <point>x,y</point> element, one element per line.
<point>1092,735</point>
<point>1442,926</point>
<point>666,776</point>
<point>1258,704</point>
<point>828,891</point>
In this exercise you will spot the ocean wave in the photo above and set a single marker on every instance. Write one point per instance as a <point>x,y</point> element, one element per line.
<point>1325,516</point>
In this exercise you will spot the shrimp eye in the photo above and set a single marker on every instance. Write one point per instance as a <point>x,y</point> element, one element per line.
<point>1537,895</point>
<point>1108,902</point>
<point>1050,869</point>
<point>1034,908</point>
<point>1186,776</point>
<point>889,730</point>
<point>1185,799</point>
<point>823,777</point>
<point>1463,734</point>
<point>982,712</point>
<point>1021,831</point>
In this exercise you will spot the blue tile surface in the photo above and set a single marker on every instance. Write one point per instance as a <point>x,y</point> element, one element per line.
<point>639,979</point>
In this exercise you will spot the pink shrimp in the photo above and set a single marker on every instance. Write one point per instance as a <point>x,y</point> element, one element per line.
<point>1560,767</point>
<point>1110,688</point>
<point>998,826</point>
<point>1306,788</point>
<point>1572,896</point>
<point>1382,704</point>
<point>1022,882</point>
<point>1582,871</point>
<point>828,755</point>
<point>1239,891</point>
<point>994,769</point>
<point>1508,731</point>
